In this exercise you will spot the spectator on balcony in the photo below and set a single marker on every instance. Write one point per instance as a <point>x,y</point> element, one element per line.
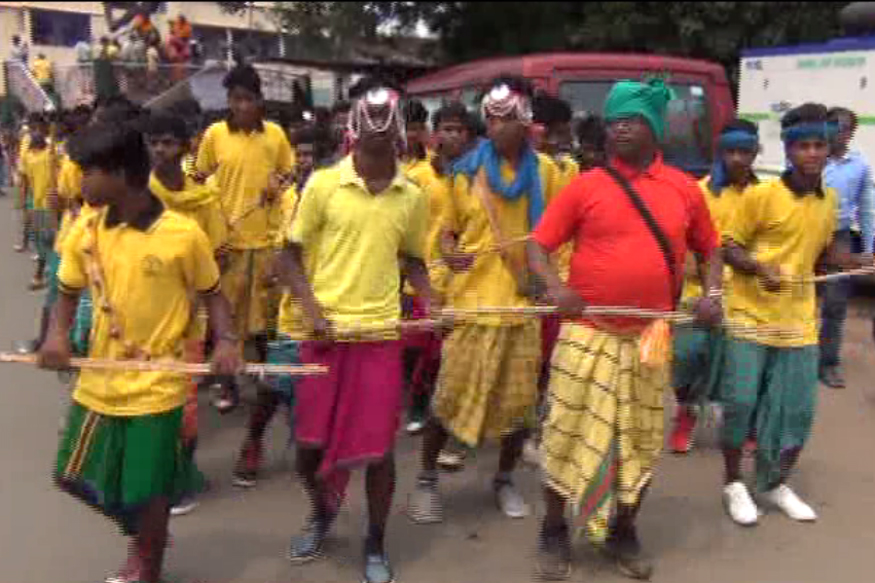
<point>83,51</point>
<point>19,51</point>
<point>181,28</point>
<point>42,72</point>
<point>107,50</point>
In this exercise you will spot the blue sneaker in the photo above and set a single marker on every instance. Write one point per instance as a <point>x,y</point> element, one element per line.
<point>308,545</point>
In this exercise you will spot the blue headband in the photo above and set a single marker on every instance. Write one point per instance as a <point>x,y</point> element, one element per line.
<point>807,130</point>
<point>738,140</point>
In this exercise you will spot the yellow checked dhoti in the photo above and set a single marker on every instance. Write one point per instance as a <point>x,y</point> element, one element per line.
<point>604,427</point>
<point>488,382</point>
<point>254,303</point>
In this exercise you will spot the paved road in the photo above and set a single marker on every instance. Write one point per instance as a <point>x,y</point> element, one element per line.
<point>242,536</point>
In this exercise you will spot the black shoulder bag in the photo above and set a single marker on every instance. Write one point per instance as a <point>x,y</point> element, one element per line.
<point>655,230</point>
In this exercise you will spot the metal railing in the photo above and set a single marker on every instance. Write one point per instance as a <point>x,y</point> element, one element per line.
<point>21,83</point>
<point>165,84</point>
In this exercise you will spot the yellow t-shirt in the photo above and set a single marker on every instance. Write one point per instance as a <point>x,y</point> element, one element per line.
<point>36,167</point>
<point>243,163</point>
<point>198,202</point>
<point>780,228</point>
<point>151,277</point>
<point>356,238</point>
<point>70,190</point>
<point>489,283</point>
<point>566,170</point>
<point>42,70</point>
<point>722,209</point>
<point>437,189</point>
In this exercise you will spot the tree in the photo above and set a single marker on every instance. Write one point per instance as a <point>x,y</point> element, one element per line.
<point>707,30</point>
<point>324,29</point>
<point>715,31</point>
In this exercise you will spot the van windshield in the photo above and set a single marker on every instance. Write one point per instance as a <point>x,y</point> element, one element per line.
<point>687,142</point>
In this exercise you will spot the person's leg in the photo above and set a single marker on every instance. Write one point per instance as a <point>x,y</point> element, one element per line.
<point>380,486</point>
<point>785,426</point>
<point>308,545</point>
<point>745,366</point>
<point>151,540</point>
<point>266,404</point>
<point>623,543</point>
<point>424,505</point>
<point>554,542</point>
<point>833,314</point>
<point>689,371</point>
<point>508,499</point>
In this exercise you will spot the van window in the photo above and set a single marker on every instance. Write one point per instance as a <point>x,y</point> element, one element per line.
<point>687,142</point>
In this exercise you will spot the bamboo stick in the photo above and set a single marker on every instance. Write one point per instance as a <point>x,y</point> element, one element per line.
<point>187,368</point>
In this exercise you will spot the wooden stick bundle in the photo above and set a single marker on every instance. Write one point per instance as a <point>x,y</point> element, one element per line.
<point>678,318</point>
<point>187,368</point>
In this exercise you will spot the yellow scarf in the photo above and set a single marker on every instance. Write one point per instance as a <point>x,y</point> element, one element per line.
<point>192,196</point>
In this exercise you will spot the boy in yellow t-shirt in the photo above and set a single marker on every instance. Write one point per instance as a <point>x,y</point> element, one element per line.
<point>453,133</point>
<point>36,168</point>
<point>488,383</point>
<point>313,150</point>
<point>782,229</point>
<point>168,138</point>
<point>120,449</point>
<point>251,159</point>
<point>696,362</point>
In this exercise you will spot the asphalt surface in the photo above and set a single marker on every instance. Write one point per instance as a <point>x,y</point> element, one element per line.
<point>242,536</point>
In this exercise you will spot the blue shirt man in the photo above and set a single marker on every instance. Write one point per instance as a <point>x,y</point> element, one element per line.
<point>851,176</point>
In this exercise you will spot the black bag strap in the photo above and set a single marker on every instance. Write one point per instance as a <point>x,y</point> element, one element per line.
<point>654,228</point>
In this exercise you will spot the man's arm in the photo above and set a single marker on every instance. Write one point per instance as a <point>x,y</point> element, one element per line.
<point>294,276</point>
<point>547,277</point>
<point>741,261</point>
<point>416,272</point>
<point>866,210</point>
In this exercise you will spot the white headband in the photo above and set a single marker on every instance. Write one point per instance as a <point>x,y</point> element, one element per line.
<point>361,115</point>
<point>502,101</point>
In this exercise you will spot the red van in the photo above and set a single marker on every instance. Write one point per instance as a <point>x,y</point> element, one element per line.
<point>704,101</point>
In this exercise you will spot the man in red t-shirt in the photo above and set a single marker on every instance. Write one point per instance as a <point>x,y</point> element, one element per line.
<point>604,429</point>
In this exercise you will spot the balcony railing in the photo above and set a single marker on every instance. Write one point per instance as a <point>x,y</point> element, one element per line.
<point>21,83</point>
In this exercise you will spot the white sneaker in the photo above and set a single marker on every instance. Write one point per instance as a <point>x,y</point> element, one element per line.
<point>793,506</point>
<point>510,501</point>
<point>739,504</point>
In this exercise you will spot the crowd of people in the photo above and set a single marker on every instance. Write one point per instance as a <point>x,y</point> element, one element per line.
<point>510,275</point>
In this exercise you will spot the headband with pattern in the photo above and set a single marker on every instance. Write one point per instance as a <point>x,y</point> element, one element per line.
<point>501,101</point>
<point>360,118</point>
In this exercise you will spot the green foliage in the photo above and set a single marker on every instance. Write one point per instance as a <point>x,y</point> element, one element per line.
<point>707,30</point>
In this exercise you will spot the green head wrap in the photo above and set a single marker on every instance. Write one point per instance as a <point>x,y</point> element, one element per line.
<point>649,100</point>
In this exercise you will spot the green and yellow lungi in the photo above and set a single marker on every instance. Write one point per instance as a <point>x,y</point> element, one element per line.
<point>774,391</point>
<point>488,381</point>
<point>43,226</point>
<point>119,464</point>
<point>604,426</point>
<point>254,304</point>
